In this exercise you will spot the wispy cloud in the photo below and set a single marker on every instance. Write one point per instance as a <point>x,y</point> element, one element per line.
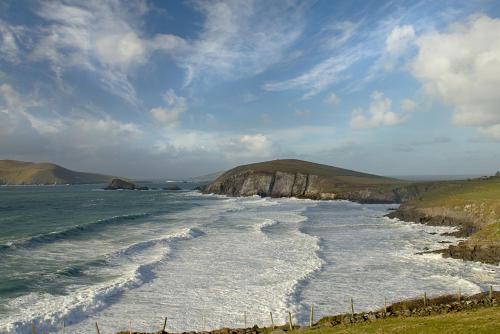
<point>241,38</point>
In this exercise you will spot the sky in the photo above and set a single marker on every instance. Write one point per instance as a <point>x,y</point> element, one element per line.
<point>172,89</point>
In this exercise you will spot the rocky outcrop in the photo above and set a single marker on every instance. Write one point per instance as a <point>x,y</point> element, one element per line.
<point>303,185</point>
<point>120,184</point>
<point>470,251</point>
<point>437,216</point>
<point>172,188</point>
<point>466,219</point>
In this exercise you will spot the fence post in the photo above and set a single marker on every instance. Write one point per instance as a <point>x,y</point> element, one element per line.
<point>425,299</point>
<point>130,327</point>
<point>33,327</point>
<point>272,321</point>
<point>459,297</point>
<point>352,308</point>
<point>245,318</point>
<point>490,294</point>
<point>97,328</point>
<point>290,320</point>
<point>62,329</point>
<point>311,316</point>
<point>164,325</point>
<point>385,306</point>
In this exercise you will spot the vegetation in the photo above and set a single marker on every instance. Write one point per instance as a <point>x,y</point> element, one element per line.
<point>24,173</point>
<point>485,321</point>
<point>337,175</point>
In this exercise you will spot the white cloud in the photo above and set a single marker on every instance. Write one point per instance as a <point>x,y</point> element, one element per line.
<point>241,38</point>
<point>332,99</point>
<point>98,36</point>
<point>255,145</point>
<point>175,106</point>
<point>399,39</point>
<point>461,67</point>
<point>408,105</point>
<point>9,40</point>
<point>378,114</point>
<point>321,75</point>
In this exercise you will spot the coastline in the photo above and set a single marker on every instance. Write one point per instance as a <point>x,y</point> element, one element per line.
<point>471,249</point>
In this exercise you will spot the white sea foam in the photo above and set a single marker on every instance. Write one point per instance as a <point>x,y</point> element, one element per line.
<point>205,266</point>
<point>48,311</point>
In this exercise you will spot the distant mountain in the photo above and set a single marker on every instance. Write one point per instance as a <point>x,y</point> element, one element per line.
<point>25,173</point>
<point>289,177</point>
<point>207,178</point>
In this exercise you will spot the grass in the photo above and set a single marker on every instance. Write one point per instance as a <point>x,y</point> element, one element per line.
<point>478,321</point>
<point>477,199</point>
<point>334,174</point>
<point>481,195</point>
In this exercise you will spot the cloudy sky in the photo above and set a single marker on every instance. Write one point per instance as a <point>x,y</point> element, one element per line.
<point>176,89</point>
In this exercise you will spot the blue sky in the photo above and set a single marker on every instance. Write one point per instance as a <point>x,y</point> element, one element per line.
<point>176,89</point>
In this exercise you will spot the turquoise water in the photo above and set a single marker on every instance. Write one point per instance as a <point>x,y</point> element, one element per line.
<point>31,218</point>
<point>78,254</point>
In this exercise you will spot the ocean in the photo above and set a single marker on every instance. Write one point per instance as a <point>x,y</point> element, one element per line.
<point>80,255</point>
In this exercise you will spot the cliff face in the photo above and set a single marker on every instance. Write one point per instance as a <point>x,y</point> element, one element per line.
<point>303,185</point>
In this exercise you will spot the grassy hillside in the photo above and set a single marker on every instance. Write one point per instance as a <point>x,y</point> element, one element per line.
<point>23,173</point>
<point>289,177</point>
<point>479,321</point>
<point>334,174</point>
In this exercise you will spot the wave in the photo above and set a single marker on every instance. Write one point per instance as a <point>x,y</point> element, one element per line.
<point>315,265</point>
<point>68,233</point>
<point>50,311</point>
<point>265,225</point>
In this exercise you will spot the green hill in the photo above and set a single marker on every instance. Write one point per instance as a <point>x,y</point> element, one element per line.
<point>285,178</point>
<point>14,172</point>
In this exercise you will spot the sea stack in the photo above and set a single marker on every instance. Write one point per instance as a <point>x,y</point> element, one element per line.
<point>120,184</point>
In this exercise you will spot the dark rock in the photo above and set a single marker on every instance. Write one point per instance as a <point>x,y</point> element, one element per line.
<point>117,184</point>
<point>172,188</point>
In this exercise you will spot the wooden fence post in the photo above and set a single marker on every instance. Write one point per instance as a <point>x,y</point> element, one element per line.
<point>290,320</point>
<point>459,297</point>
<point>245,318</point>
<point>311,316</point>
<point>62,329</point>
<point>272,321</point>
<point>33,327</point>
<point>385,306</point>
<point>97,328</point>
<point>425,299</point>
<point>164,325</point>
<point>490,294</point>
<point>352,308</point>
<point>130,327</point>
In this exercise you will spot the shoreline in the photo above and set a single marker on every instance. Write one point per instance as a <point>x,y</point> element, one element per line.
<point>402,310</point>
<point>467,250</point>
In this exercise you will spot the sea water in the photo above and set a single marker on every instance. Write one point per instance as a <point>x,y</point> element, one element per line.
<point>80,255</point>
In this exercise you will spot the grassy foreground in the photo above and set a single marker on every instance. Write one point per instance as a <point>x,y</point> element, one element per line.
<point>486,320</point>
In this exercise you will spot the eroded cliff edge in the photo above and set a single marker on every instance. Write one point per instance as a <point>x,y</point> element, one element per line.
<point>287,184</point>
<point>287,178</point>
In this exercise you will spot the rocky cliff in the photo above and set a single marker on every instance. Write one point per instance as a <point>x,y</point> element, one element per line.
<point>287,178</point>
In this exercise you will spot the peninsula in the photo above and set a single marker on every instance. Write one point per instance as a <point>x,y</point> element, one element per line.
<point>13,172</point>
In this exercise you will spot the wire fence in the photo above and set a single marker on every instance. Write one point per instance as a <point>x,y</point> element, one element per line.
<point>423,301</point>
